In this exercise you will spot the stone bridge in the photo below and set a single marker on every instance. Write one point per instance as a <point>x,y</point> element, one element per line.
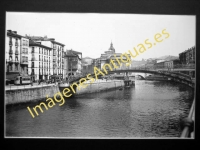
<point>172,74</point>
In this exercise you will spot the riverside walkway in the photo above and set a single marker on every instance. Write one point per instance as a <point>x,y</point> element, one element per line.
<point>35,85</point>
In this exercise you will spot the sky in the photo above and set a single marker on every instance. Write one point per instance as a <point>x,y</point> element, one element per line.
<point>92,33</point>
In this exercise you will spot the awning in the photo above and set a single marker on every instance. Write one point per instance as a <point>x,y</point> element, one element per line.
<point>12,75</point>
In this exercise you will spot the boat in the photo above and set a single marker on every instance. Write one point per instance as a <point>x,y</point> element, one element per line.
<point>132,78</point>
<point>63,84</point>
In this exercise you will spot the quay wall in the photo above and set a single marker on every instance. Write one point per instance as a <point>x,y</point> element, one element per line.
<point>186,82</point>
<point>100,86</point>
<point>15,96</point>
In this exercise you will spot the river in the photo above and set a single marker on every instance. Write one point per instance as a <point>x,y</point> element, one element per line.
<point>148,109</point>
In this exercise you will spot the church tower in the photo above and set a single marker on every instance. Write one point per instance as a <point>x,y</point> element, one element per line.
<point>111,47</point>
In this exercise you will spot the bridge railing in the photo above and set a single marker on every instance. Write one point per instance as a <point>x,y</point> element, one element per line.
<point>188,66</point>
<point>188,123</point>
<point>166,70</point>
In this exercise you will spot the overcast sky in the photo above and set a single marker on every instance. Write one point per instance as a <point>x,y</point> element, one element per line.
<point>92,33</point>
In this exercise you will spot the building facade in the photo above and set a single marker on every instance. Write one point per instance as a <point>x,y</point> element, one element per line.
<point>159,65</point>
<point>57,53</point>
<point>16,54</point>
<point>72,63</point>
<point>172,64</point>
<point>25,56</point>
<point>188,56</point>
<point>40,64</point>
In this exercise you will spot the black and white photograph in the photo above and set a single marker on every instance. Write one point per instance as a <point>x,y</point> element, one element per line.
<point>78,75</point>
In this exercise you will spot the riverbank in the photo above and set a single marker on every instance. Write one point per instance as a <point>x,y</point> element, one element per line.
<point>29,93</point>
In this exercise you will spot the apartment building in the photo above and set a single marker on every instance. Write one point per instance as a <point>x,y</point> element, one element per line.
<point>188,56</point>
<point>16,55</point>
<point>40,63</point>
<point>72,63</point>
<point>56,54</point>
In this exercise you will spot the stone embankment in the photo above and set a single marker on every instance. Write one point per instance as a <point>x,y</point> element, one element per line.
<point>100,85</point>
<point>20,95</point>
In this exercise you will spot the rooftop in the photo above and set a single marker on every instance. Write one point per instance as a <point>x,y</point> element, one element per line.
<point>32,43</point>
<point>71,53</point>
<point>45,38</point>
<point>14,34</point>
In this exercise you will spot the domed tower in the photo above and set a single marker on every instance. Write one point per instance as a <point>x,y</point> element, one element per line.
<point>111,47</point>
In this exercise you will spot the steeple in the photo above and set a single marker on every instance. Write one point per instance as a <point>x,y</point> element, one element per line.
<point>111,47</point>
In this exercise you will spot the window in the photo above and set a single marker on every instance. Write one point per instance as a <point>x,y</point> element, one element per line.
<point>10,67</point>
<point>10,58</point>
<point>32,49</point>
<point>10,50</point>
<point>32,65</point>
<point>16,42</point>
<point>16,58</point>
<point>16,67</point>
<point>32,71</point>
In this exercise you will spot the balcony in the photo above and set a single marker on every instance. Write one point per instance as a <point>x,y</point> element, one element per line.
<point>33,58</point>
<point>54,60</point>
<point>11,51</point>
<point>24,62</point>
<point>10,43</point>
<point>25,53</point>
<point>16,44</point>
<point>16,61</point>
<point>16,52</point>
<point>10,61</point>
<point>54,66</point>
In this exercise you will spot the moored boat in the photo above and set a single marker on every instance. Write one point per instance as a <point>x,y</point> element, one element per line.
<point>63,84</point>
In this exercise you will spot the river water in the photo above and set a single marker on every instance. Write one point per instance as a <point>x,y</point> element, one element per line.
<point>148,109</point>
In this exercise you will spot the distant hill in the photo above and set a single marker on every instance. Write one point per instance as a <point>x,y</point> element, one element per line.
<point>87,58</point>
<point>168,57</point>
